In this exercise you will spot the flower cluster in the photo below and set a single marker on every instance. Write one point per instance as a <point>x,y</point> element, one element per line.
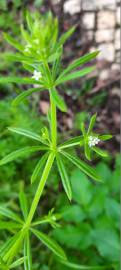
<point>37,75</point>
<point>92,141</point>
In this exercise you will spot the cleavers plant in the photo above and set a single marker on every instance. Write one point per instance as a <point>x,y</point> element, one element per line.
<point>40,53</point>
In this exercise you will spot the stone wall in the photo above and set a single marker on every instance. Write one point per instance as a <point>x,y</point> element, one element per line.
<point>100,24</point>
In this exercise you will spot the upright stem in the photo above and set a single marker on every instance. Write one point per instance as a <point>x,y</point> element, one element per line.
<point>40,188</point>
<point>53,123</point>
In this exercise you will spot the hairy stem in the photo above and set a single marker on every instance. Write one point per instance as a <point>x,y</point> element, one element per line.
<point>53,122</point>
<point>40,188</point>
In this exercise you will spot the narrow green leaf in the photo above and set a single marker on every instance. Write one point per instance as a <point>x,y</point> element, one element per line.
<point>27,253</point>
<point>87,150</point>
<point>29,20</point>
<point>66,35</point>
<point>74,75</point>
<point>8,244</point>
<point>100,152</point>
<point>27,133</point>
<point>51,244</point>
<point>80,61</point>
<point>9,225</point>
<point>92,123</point>
<point>23,204</point>
<point>71,142</point>
<point>18,80</point>
<point>13,42</point>
<point>58,101</point>
<point>21,152</point>
<point>105,137</point>
<point>17,57</point>
<point>83,267</point>
<point>83,166</point>
<point>38,167</point>
<point>64,176</point>
<point>17,263</point>
<point>9,214</point>
<point>24,95</point>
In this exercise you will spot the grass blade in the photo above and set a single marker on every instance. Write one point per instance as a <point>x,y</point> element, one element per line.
<point>27,133</point>
<point>38,167</point>
<point>24,95</point>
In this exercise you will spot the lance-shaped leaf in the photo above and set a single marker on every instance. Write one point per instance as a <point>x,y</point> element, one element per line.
<point>51,244</point>
<point>87,149</point>
<point>9,225</point>
<point>17,57</point>
<point>8,244</point>
<point>4,211</point>
<point>23,204</point>
<point>105,137</point>
<point>82,166</point>
<point>58,100</point>
<point>71,142</point>
<point>74,75</point>
<point>66,35</point>
<point>80,61</point>
<point>18,80</point>
<point>29,20</point>
<point>17,263</point>
<point>64,176</point>
<point>39,166</point>
<point>13,42</point>
<point>24,95</point>
<point>27,133</point>
<point>83,267</point>
<point>92,123</point>
<point>21,152</point>
<point>100,152</point>
<point>27,253</point>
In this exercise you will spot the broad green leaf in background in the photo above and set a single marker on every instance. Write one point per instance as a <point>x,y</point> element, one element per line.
<point>51,244</point>
<point>81,188</point>
<point>58,100</point>
<point>107,243</point>
<point>27,253</point>
<point>38,167</point>
<point>21,152</point>
<point>24,95</point>
<point>74,75</point>
<point>64,176</point>
<point>83,166</point>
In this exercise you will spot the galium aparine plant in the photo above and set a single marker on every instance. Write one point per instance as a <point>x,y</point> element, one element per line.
<point>40,53</point>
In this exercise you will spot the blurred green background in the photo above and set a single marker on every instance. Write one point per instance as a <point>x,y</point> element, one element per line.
<point>89,229</point>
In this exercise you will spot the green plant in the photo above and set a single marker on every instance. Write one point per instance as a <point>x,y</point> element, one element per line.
<point>40,53</point>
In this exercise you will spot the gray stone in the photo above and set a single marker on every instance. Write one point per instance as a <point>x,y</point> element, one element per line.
<point>89,20</point>
<point>104,35</point>
<point>104,74</point>
<point>106,52</point>
<point>115,66</point>
<point>117,39</point>
<point>106,19</point>
<point>72,6</point>
<point>98,4</point>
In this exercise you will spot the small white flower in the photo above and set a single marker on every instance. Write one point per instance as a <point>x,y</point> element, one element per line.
<point>92,141</point>
<point>27,48</point>
<point>37,75</point>
<point>36,41</point>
